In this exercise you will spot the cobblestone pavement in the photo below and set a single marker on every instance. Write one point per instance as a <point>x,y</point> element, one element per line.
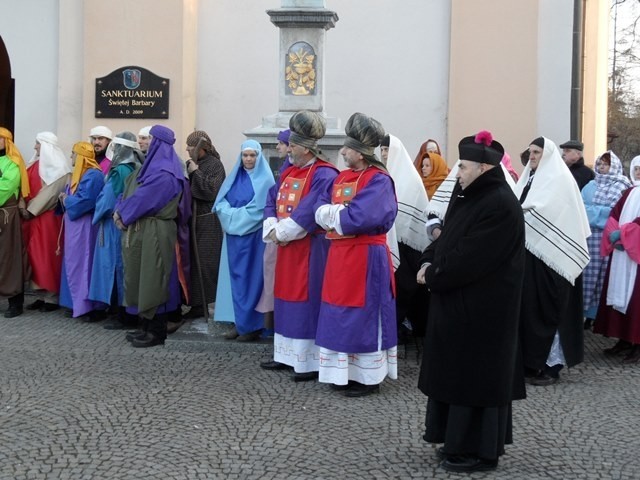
<point>78,402</point>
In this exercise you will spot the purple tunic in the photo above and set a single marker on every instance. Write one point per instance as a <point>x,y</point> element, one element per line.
<point>300,319</point>
<point>357,329</point>
<point>79,242</point>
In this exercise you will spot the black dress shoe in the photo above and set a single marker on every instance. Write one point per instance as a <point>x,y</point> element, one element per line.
<point>360,390</point>
<point>49,307</point>
<point>542,380</point>
<point>633,356</point>
<point>441,454</point>
<point>342,388</point>
<point>622,346</point>
<point>468,464</point>
<point>249,337</point>
<point>273,365</point>
<point>13,311</point>
<point>305,377</point>
<point>147,340</point>
<point>95,316</point>
<point>37,305</point>
<point>135,334</point>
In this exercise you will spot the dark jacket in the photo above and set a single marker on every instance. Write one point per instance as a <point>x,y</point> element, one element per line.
<point>471,345</point>
<point>582,173</point>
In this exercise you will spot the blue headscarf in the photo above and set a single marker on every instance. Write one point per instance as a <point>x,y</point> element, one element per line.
<point>161,155</point>
<point>261,176</point>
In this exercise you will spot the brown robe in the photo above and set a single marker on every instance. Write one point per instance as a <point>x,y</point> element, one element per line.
<point>207,240</point>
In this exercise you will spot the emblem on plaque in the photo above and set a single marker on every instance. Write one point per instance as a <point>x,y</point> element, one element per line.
<point>132,77</point>
<point>300,72</point>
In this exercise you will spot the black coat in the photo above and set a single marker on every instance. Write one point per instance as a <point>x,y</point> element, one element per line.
<point>582,173</point>
<point>471,354</point>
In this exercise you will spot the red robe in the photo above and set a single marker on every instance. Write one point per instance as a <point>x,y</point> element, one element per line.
<point>610,322</point>
<point>41,237</point>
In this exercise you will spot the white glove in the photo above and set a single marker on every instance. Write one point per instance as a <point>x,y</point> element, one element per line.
<point>268,224</point>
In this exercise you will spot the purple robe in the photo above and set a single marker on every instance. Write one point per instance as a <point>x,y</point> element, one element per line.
<point>358,329</point>
<point>79,242</point>
<point>300,319</point>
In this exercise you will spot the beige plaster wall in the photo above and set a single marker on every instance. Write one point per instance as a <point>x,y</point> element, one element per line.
<point>70,83</point>
<point>493,72</point>
<point>124,32</point>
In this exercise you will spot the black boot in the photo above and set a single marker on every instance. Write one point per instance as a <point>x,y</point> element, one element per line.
<point>140,332</point>
<point>156,332</point>
<point>15,306</point>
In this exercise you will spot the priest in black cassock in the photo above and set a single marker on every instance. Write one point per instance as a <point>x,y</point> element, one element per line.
<point>471,370</point>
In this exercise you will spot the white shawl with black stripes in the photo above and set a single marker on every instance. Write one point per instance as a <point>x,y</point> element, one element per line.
<point>412,199</point>
<point>556,224</point>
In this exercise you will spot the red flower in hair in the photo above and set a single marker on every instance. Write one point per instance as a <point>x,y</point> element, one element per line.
<point>484,137</point>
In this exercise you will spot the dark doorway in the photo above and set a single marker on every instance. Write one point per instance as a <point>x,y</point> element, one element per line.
<point>7,90</point>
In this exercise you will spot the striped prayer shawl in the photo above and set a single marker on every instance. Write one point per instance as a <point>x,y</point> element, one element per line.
<point>556,224</point>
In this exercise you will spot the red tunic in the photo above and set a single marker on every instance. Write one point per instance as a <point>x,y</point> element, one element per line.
<point>610,322</point>
<point>292,263</point>
<point>43,239</point>
<point>349,253</point>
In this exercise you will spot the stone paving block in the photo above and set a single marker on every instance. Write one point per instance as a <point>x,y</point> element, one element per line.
<point>77,401</point>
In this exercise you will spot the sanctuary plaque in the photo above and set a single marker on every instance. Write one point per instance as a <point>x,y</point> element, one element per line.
<point>132,92</point>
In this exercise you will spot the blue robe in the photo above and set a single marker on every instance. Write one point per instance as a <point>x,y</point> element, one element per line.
<point>79,243</point>
<point>107,270</point>
<point>243,238</point>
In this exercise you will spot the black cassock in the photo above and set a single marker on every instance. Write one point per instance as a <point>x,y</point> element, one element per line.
<point>472,366</point>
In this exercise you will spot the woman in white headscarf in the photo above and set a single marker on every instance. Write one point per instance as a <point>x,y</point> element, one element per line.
<point>240,206</point>
<point>634,170</point>
<point>49,171</point>
<point>556,231</point>
<point>600,195</point>
<point>619,311</point>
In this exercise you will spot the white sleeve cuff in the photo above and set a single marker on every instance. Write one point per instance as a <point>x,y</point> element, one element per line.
<point>268,224</point>
<point>335,214</point>
<point>288,230</point>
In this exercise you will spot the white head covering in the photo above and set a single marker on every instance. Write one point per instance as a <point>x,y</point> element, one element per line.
<point>101,131</point>
<point>556,224</point>
<point>412,198</point>
<point>145,131</point>
<point>634,163</point>
<point>54,164</point>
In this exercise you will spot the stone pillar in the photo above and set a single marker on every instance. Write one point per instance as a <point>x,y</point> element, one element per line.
<point>303,25</point>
